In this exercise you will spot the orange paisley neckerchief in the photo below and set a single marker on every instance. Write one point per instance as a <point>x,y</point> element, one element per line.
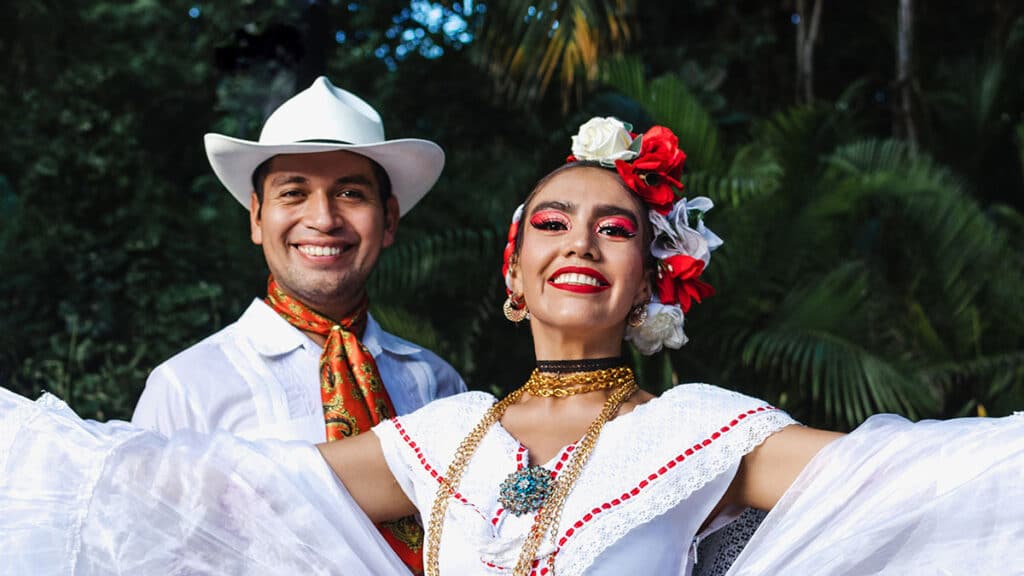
<point>353,396</point>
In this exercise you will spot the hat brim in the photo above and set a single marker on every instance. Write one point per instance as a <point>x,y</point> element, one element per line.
<point>413,165</point>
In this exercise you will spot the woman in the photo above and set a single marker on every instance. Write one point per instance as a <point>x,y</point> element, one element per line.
<point>577,472</point>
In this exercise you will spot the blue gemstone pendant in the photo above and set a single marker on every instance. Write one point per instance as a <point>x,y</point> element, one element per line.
<point>525,491</point>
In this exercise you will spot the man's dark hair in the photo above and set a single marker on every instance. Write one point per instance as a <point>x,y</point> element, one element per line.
<point>383,181</point>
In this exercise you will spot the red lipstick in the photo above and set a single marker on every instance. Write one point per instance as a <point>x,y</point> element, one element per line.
<point>579,279</point>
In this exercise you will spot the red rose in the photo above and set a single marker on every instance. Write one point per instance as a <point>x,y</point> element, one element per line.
<point>678,281</point>
<point>654,174</point>
<point>659,152</point>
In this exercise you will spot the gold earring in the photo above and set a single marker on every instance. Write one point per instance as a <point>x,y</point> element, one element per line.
<point>515,311</point>
<point>638,315</point>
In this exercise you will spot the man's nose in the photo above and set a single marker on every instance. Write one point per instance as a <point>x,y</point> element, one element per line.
<point>322,213</point>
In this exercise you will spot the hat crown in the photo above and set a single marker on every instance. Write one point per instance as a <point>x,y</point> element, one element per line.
<point>323,112</point>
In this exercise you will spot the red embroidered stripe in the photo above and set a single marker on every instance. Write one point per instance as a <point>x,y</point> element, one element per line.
<point>651,478</point>
<point>423,460</point>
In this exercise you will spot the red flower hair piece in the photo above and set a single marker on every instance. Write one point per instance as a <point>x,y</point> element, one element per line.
<point>654,174</point>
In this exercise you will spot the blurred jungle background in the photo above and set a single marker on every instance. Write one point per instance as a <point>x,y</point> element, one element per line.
<point>865,159</point>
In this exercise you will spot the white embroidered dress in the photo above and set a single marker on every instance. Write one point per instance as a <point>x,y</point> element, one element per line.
<point>653,477</point>
<point>893,497</point>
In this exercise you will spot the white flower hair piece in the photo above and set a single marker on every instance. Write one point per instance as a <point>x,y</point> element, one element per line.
<point>663,328</point>
<point>605,140</point>
<point>674,236</point>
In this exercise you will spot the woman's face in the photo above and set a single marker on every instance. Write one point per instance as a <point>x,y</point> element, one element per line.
<point>581,264</point>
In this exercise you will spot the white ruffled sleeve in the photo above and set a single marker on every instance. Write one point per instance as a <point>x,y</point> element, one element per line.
<point>81,497</point>
<point>895,497</point>
<point>419,446</point>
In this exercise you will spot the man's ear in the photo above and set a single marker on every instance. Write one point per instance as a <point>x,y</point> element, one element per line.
<point>255,228</point>
<point>390,221</point>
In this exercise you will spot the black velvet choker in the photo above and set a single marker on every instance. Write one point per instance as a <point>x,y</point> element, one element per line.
<point>582,365</point>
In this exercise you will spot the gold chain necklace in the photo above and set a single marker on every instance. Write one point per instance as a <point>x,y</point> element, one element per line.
<point>559,385</point>
<point>547,517</point>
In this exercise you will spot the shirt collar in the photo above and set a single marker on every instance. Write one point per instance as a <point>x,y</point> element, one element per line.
<point>272,335</point>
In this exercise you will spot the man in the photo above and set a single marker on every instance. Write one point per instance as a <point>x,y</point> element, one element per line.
<point>325,192</point>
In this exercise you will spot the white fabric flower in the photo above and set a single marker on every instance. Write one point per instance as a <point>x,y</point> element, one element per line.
<point>604,140</point>
<point>662,329</point>
<point>702,204</point>
<point>674,235</point>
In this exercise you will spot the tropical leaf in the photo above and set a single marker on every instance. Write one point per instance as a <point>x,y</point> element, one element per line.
<point>958,373</point>
<point>672,104</point>
<point>808,347</point>
<point>965,245</point>
<point>525,45</point>
<point>753,172</point>
<point>458,255</point>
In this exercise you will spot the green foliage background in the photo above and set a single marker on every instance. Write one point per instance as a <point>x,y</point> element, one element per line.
<point>858,275</point>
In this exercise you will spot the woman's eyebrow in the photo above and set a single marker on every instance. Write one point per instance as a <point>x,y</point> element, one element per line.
<point>554,205</point>
<point>603,210</point>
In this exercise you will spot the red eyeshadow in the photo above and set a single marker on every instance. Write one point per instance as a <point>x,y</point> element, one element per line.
<point>624,223</point>
<point>545,216</point>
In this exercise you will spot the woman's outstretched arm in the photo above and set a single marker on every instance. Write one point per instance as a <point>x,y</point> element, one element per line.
<point>359,463</point>
<point>769,470</point>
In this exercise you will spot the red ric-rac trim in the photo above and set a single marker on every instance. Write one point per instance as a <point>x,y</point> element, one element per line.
<point>426,465</point>
<point>679,459</point>
<point>533,572</point>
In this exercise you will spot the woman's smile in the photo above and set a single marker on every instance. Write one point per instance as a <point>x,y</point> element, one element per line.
<point>579,279</point>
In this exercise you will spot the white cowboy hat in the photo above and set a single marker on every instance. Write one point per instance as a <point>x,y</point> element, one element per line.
<point>322,118</point>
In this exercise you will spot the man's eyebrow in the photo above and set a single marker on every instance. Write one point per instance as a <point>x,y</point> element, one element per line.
<point>554,205</point>
<point>284,179</point>
<point>354,179</point>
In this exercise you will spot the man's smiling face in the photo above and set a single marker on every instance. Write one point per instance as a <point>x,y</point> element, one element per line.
<point>322,225</point>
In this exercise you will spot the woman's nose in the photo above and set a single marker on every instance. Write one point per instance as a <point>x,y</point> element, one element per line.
<point>581,243</point>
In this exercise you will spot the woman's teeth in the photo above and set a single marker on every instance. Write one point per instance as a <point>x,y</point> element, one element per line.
<point>575,278</point>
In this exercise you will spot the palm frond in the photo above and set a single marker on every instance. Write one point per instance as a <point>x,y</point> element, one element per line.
<point>671,104</point>
<point>812,344</point>
<point>798,136</point>
<point>754,172</point>
<point>956,373</point>
<point>459,255</point>
<point>964,243</point>
<point>525,45</point>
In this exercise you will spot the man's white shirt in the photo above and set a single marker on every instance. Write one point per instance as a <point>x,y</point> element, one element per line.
<point>260,378</point>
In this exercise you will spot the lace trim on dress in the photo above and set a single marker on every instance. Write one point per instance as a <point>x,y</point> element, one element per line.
<point>645,463</point>
<point>665,491</point>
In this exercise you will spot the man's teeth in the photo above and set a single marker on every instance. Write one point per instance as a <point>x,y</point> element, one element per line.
<point>320,250</point>
<point>575,278</point>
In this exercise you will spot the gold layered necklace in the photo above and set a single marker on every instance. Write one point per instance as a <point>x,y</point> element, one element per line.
<point>562,385</point>
<point>523,487</point>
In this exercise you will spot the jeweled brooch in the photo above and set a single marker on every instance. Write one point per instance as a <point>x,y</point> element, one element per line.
<point>525,491</point>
